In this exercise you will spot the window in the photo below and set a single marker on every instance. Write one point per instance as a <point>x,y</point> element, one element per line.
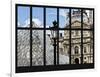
<point>76,50</point>
<point>53,38</point>
<point>84,49</point>
<point>63,18</point>
<point>23,16</point>
<point>77,33</point>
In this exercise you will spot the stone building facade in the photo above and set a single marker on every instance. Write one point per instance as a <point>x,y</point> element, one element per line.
<point>80,53</point>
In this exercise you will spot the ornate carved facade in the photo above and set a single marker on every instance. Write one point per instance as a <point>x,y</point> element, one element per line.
<point>81,40</point>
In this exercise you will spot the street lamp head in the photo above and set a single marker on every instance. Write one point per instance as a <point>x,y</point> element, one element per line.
<point>54,32</point>
<point>55,23</point>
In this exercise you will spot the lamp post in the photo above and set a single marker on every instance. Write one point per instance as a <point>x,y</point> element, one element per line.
<point>54,38</point>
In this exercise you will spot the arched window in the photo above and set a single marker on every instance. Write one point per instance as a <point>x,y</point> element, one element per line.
<point>76,50</point>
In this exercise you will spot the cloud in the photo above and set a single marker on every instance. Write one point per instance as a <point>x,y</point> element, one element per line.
<point>62,13</point>
<point>19,24</point>
<point>26,23</point>
<point>36,20</point>
<point>47,26</point>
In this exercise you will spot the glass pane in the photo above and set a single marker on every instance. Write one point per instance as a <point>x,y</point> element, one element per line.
<point>87,47</point>
<point>75,46</point>
<point>64,18</point>
<point>63,47</point>
<point>37,47</point>
<point>49,48</point>
<point>23,47</point>
<point>91,47</point>
<point>76,18</point>
<point>51,15</point>
<point>88,19</point>
<point>23,16</point>
<point>37,17</point>
<point>91,41</point>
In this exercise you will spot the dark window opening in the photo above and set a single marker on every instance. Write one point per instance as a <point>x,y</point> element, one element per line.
<point>76,50</point>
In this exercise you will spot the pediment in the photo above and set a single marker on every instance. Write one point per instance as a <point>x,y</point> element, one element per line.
<point>77,24</point>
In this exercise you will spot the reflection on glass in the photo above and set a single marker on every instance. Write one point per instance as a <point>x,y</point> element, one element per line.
<point>23,16</point>
<point>64,18</point>
<point>49,48</point>
<point>37,17</point>
<point>63,47</point>
<point>23,47</point>
<point>88,19</point>
<point>51,15</point>
<point>76,18</point>
<point>87,47</point>
<point>37,47</point>
<point>75,47</point>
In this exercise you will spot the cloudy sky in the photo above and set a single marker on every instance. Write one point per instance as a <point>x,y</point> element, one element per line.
<point>23,15</point>
<point>37,16</point>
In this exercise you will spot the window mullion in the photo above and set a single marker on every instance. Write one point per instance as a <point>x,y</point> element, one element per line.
<point>81,36</point>
<point>70,36</point>
<point>30,36</point>
<point>44,36</point>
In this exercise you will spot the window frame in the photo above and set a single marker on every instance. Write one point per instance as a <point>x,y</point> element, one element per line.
<point>56,66</point>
